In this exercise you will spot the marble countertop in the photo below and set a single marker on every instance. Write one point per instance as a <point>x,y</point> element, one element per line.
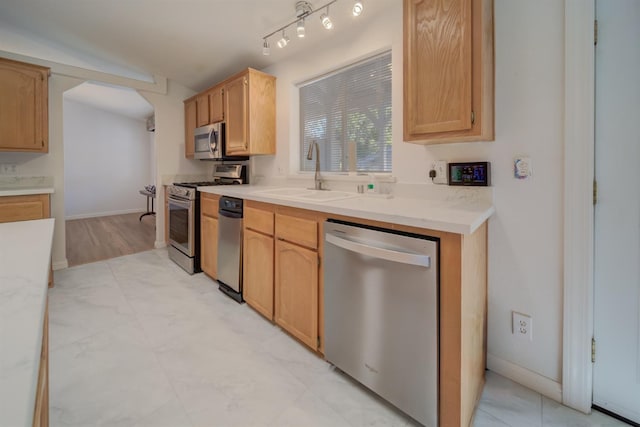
<point>25,191</point>
<point>25,254</point>
<point>25,185</point>
<point>458,214</point>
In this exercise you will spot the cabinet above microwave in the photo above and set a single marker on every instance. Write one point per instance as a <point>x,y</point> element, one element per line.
<point>246,103</point>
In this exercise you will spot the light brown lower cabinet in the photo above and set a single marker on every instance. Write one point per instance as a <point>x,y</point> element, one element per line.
<point>296,291</point>
<point>258,272</point>
<point>41,409</point>
<point>209,234</point>
<point>26,208</point>
<point>258,257</point>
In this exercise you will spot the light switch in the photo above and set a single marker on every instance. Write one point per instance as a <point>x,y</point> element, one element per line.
<point>522,167</point>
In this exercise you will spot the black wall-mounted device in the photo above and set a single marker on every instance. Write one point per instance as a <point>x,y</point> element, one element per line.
<point>470,173</point>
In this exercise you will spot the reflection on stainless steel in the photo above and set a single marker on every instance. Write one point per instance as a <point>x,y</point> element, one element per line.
<point>381,314</point>
<point>230,247</point>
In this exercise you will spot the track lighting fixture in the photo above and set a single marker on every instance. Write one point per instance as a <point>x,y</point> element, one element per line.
<point>357,8</point>
<point>304,9</point>
<point>326,21</point>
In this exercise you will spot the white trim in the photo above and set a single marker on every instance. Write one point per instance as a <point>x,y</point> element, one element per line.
<point>60,265</point>
<point>158,85</point>
<point>541,384</point>
<point>159,244</point>
<point>99,214</point>
<point>577,370</point>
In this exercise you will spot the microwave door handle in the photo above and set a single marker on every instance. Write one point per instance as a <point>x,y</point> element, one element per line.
<point>211,148</point>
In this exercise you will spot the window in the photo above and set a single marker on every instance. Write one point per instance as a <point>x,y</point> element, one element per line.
<point>348,113</point>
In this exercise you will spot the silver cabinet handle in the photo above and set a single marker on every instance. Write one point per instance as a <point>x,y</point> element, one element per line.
<point>376,252</point>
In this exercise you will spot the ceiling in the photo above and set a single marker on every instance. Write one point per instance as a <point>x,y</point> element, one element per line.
<point>118,100</point>
<point>194,42</point>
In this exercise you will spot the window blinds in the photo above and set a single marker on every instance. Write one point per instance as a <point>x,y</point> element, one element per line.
<point>348,113</point>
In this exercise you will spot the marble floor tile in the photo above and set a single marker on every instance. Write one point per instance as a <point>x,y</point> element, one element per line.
<point>111,378</point>
<point>78,313</point>
<point>137,342</point>
<point>311,411</point>
<point>511,403</point>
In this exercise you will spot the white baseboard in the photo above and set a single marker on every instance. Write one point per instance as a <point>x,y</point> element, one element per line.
<point>543,385</point>
<point>60,265</point>
<point>98,214</point>
<point>159,244</point>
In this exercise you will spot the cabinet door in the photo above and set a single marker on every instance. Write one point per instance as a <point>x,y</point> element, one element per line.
<point>190,123</point>
<point>216,105</point>
<point>202,109</point>
<point>296,290</point>
<point>236,107</point>
<point>438,65</point>
<point>258,272</point>
<point>209,245</point>
<point>24,124</point>
<point>24,208</point>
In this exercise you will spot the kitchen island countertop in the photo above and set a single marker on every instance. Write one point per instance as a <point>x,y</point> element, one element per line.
<point>456,215</point>
<point>25,254</point>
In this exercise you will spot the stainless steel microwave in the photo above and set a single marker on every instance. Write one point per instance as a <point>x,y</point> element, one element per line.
<point>208,141</point>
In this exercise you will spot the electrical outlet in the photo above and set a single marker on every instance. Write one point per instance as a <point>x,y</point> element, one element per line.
<point>522,325</point>
<point>441,172</point>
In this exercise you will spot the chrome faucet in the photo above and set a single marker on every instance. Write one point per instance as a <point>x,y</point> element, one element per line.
<point>317,178</point>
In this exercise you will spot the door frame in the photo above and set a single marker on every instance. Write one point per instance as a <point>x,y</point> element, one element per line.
<point>579,145</point>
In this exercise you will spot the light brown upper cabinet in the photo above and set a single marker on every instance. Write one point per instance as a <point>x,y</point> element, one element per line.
<point>24,107</point>
<point>448,71</point>
<point>190,124</point>
<point>216,104</point>
<point>250,108</point>
<point>202,110</point>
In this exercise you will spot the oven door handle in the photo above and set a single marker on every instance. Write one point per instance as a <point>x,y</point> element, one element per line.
<point>182,203</point>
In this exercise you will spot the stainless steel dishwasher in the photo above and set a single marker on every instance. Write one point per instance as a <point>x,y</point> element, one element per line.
<point>381,313</point>
<point>230,247</point>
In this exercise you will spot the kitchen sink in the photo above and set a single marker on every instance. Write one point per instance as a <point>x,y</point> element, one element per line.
<point>306,194</point>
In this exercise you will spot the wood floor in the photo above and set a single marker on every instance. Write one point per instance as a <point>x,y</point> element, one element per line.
<point>96,239</point>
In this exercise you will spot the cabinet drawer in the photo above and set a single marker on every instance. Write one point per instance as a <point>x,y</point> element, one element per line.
<point>209,204</point>
<point>24,208</point>
<point>259,220</point>
<point>302,231</point>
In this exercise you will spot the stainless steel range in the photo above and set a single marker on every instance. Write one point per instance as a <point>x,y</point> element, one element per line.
<point>184,214</point>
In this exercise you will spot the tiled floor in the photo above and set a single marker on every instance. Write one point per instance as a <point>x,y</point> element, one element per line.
<point>135,341</point>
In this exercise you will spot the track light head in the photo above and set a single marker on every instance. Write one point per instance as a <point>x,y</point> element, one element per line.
<point>300,28</point>
<point>357,8</point>
<point>266,50</point>
<point>326,21</point>
<point>283,41</point>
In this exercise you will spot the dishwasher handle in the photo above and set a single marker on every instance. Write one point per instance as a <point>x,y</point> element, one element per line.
<point>381,253</point>
<point>229,214</point>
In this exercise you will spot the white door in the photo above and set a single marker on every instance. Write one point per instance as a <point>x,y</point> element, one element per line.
<point>616,375</point>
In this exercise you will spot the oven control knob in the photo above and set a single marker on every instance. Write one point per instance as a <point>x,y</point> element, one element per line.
<point>187,193</point>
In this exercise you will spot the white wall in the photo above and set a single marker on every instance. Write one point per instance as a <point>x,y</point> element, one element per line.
<point>107,161</point>
<point>169,143</point>
<point>525,234</point>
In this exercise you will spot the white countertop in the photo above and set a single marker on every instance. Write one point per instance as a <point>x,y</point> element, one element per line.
<point>456,215</point>
<point>24,191</point>
<point>25,185</point>
<point>25,254</point>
